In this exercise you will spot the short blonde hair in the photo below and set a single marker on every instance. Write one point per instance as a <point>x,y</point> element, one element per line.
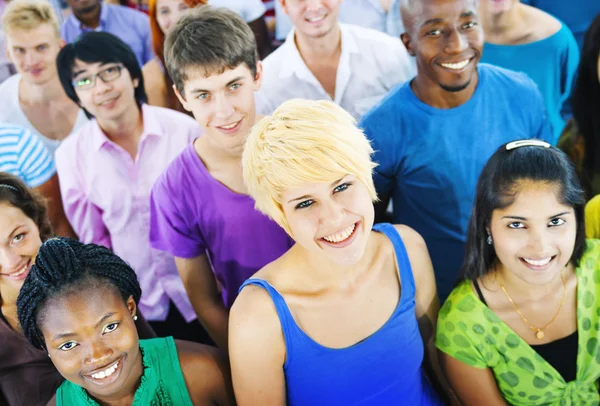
<point>303,141</point>
<point>28,15</point>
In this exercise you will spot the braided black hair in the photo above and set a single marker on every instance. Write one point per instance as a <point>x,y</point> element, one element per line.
<point>63,266</point>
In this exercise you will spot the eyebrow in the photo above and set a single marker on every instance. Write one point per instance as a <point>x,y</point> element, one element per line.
<point>441,20</point>
<point>66,335</point>
<point>524,218</point>
<point>231,82</point>
<point>79,72</point>
<point>307,196</point>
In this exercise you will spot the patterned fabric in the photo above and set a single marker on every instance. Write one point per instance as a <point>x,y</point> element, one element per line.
<point>162,383</point>
<point>471,333</point>
<point>592,218</point>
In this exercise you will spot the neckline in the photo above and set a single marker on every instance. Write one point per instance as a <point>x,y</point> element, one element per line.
<point>532,352</point>
<point>358,344</point>
<point>532,44</point>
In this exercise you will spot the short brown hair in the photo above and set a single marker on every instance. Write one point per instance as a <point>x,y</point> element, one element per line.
<point>209,40</point>
<point>14,192</point>
<point>29,14</point>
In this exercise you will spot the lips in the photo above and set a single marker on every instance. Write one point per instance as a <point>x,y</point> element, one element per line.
<point>231,128</point>
<point>107,374</point>
<point>317,19</point>
<point>458,65</point>
<point>20,273</point>
<point>538,264</point>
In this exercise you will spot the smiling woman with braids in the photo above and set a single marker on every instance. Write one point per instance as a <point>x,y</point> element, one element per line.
<point>27,376</point>
<point>79,303</point>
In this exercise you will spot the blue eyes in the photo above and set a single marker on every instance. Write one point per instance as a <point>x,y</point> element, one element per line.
<point>307,203</point>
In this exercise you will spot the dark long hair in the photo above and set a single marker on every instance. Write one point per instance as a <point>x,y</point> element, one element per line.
<point>31,203</point>
<point>93,47</point>
<point>496,190</point>
<point>585,101</point>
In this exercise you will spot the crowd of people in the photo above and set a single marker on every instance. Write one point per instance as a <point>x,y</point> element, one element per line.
<point>299,202</point>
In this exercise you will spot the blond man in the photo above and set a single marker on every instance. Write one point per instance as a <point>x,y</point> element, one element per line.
<point>34,98</point>
<point>348,314</point>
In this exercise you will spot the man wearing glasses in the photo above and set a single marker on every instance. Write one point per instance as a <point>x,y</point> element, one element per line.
<point>108,168</point>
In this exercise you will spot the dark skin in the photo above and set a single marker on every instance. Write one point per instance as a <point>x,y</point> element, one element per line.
<point>438,33</point>
<point>261,33</point>
<point>51,191</point>
<point>86,11</point>
<point>87,331</point>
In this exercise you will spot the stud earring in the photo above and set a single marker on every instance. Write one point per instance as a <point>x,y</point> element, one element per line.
<point>489,239</point>
<point>134,318</point>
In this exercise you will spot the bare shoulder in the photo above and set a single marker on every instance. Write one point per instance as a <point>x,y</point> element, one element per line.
<point>254,309</point>
<point>546,25</point>
<point>411,238</point>
<point>205,370</point>
<point>418,256</point>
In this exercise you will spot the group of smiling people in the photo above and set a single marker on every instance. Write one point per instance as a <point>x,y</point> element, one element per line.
<point>347,312</point>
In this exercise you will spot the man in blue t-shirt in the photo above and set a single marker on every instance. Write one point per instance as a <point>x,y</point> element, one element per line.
<point>434,134</point>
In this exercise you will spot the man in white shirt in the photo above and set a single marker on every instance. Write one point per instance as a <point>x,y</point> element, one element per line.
<point>322,59</point>
<point>34,98</point>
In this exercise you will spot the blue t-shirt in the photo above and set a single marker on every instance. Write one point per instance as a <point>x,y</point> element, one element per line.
<point>430,159</point>
<point>551,63</point>
<point>577,14</point>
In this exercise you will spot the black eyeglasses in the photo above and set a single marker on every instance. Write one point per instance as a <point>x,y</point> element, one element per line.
<point>107,75</point>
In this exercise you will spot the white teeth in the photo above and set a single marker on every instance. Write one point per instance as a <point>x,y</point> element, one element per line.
<point>107,372</point>
<point>229,127</point>
<point>20,271</point>
<point>456,66</point>
<point>341,236</point>
<point>316,19</point>
<point>107,101</point>
<point>540,262</point>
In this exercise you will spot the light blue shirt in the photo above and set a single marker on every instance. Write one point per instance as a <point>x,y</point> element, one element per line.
<point>23,154</point>
<point>430,159</point>
<point>551,63</point>
<point>577,14</point>
<point>131,26</point>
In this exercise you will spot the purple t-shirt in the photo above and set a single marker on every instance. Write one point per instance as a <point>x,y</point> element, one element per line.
<point>191,213</point>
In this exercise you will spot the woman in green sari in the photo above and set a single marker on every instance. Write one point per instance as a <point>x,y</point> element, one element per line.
<point>521,327</point>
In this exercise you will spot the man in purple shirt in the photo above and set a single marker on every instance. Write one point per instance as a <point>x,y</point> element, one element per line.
<point>200,211</point>
<point>108,167</point>
<point>131,26</point>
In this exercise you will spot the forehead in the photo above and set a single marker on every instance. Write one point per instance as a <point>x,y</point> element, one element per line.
<point>41,34</point>
<point>212,79</point>
<point>445,10</point>
<point>12,217</point>
<point>80,308</point>
<point>536,198</point>
<point>89,67</point>
<point>169,3</point>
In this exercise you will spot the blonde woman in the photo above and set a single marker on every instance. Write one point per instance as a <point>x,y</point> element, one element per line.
<point>347,315</point>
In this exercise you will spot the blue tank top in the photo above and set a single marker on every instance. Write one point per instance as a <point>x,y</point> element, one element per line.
<point>383,369</point>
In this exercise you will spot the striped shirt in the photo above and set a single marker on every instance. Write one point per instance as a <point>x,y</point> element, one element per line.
<point>24,155</point>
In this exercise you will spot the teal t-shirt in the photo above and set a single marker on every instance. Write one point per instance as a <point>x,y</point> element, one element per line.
<point>551,63</point>
<point>162,382</point>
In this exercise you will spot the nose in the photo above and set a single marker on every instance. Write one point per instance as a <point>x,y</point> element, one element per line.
<point>101,87</point>
<point>331,213</point>
<point>224,107</point>
<point>98,355</point>
<point>30,58</point>
<point>313,4</point>
<point>9,260</point>
<point>456,42</point>
<point>538,240</point>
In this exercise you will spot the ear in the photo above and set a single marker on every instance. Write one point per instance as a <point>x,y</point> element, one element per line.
<point>131,306</point>
<point>136,83</point>
<point>182,100</point>
<point>7,53</point>
<point>259,76</point>
<point>283,4</point>
<point>62,43</point>
<point>407,41</point>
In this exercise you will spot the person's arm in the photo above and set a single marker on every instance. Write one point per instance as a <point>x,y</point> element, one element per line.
<point>570,63</point>
<point>201,287</point>
<point>154,83</point>
<point>473,386</point>
<point>427,308</point>
<point>207,374</point>
<point>257,350</point>
<point>84,216</point>
<point>56,213</point>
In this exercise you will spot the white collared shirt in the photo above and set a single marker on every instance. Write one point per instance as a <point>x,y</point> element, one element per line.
<point>371,64</point>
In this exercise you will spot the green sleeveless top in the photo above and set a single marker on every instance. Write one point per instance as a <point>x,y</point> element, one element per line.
<point>470,332</point>
<point>162,382</point>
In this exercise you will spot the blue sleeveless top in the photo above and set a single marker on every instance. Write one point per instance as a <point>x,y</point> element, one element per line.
<point>383,369</point>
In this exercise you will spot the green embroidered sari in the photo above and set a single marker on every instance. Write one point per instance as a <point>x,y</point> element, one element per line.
<point>470,332</point>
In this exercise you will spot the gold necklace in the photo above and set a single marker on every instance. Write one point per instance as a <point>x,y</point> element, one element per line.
<point>539,332</point>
